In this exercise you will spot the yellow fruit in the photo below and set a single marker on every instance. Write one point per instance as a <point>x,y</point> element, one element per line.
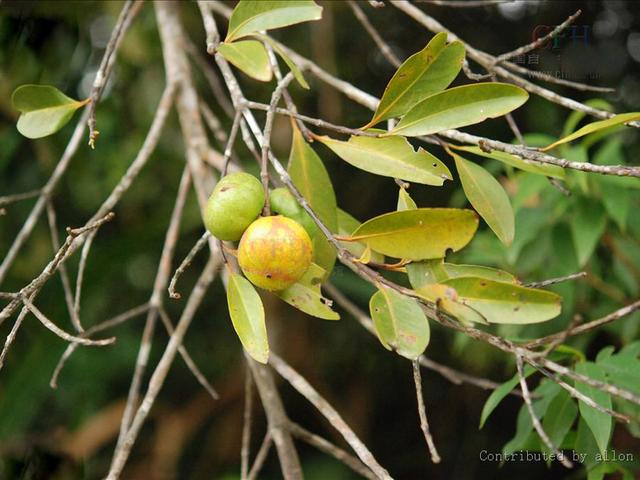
<point>274,252</point>
<point>236,201</point>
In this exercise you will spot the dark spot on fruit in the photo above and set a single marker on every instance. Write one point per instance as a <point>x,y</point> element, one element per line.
<point>268,275</point>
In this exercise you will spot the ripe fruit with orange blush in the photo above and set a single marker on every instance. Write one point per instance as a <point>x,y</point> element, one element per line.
<point>274,252</point>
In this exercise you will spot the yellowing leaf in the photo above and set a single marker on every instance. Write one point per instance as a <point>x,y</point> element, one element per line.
<point>594,127</point>
<point>44,109</point>
<point>488,197</point>
<point>418,234</point>
<point>548,170</point>
<point>306,296</point>
<point>312,180</point>
<point>459,107</point>
<point>346,226</point>
<point>435,271</point>
<point>247,316</point>
<point>507,303</point>
<point>424,73</point>
<point>390,157</point>
<point>250,56</point>
<point>251,16</point>
<point>446,299</point>
<point>405,202</point>
<point>399,322</point>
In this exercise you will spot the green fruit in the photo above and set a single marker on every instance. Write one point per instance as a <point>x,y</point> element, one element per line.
<point>236,201</point>
<point>274,252</point>
<point>283,202</point>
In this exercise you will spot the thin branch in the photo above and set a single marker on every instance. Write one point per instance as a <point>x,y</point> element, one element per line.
<point>246,424</point>
<point>188,360</point>
<point>213,37</point>
<point>303,387</point>
<point>330,449</point>
<point>61,333</point>
<point>464,3</point>
<point>553,281</point>
<point>16,197</point>
<point>228,149</point>
<point>127,14</point>
<point>539,41</point>
<point>261,456</point>
<point>112,322</point>
<point>384,47</point>
<point>162,369</point>
<point>534,417</point>
<point>277,420</point>
<point>424,423</point>
<point>202,241</point>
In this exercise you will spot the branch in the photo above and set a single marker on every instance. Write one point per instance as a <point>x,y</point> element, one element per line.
<point>385,49</point>
<point>303,387</point>
<point>424,424</point>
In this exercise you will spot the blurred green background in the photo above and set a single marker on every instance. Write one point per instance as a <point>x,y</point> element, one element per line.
<point>70,432</point>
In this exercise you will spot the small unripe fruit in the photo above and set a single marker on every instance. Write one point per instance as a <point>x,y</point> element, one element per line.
<point>283,202</point>
<point>236,201</point>
<point>274,252</point>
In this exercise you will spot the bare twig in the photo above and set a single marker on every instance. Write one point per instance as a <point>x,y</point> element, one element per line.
<point>229,146</point>
<point>553,281</point>
<point>261,456</point>
<point>329,448</point>
<point>246,424</point>
<point>422,412</point>
<point>534,417</point>
<point>305,389</point>
<point>539,41</point>
<point>16,197</point>
<point>384,47</point>
<point>202,241</point>
<point>127,14</point>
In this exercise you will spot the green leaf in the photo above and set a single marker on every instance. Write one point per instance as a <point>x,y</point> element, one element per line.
<point>435,271</point>
<point>399,322</point>
<point>560,417</point>
<point>290,63</point>
<point>306,296</point>
<point>446,299</point>
<point>250,56</point>
<point>459,107</point>
<point>250,17</point>
<point>312,180</point>
<point>418,234</point>
<point>405,202</point>
<point>390,157</point>
<point>346,226</point>
<point>594,127</point>
<point>500,393</point>
<point>247,316</point>
<point>599,423</point>
<point>488,197</point>
<point>507,303</point>
<point>588,222</point>
<point>541,169</point>
<point>424,73</point>
<point>44,109</point>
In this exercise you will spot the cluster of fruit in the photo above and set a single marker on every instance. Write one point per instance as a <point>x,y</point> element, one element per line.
<point>274,251</point>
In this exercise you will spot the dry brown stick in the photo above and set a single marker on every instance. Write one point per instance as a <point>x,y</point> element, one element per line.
<point>299,383</point>
<point>61,333</point>
<point>384,47</point>
<point>539,41</point>
<point>534,417</point>
<point>422,412</point>
<point>162,369</point>
<point>155,302</point>
<point>246,424</point>
<point>112,322</point>
<point>261,456</point>
<point>553,281</point>
<point>186,356</point>
<point>586,327</point>
<point>582,397</point>
<point>202,241</point>
<point>16,197</point>
<point>64,275</point>
<point>330,449</point>
<point>277,420</point>
<point>127,14</point>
